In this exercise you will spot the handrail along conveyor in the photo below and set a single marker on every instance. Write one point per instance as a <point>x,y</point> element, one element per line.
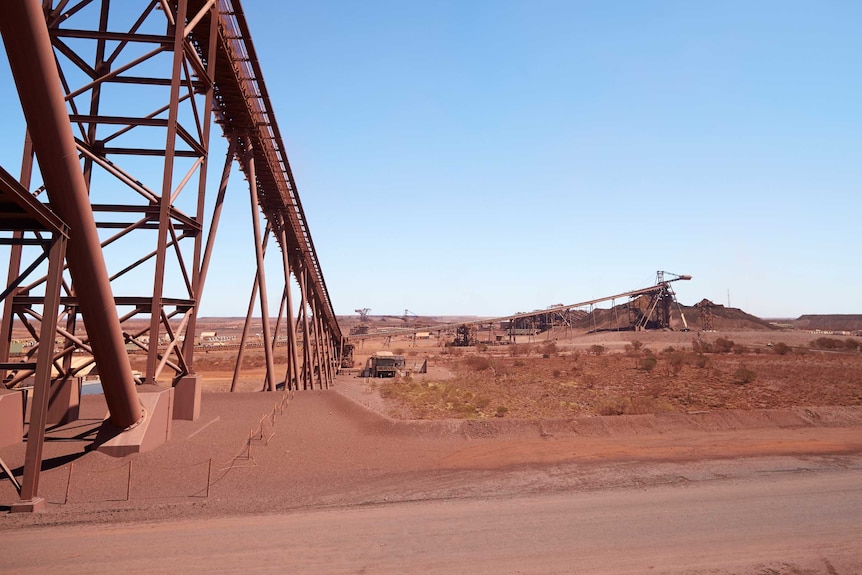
<point>245,112</point>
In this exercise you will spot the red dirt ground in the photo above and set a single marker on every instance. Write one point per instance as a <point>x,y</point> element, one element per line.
<point>340,447</point>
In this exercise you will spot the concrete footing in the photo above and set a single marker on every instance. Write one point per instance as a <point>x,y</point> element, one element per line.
<point>11,417</point>
<point>187,398</point>
<point>28,506</point>
<point>149,434</point>
<point>64,403</point>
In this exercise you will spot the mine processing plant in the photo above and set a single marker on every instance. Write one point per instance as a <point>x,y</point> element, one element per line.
<point>119,98</point>
<point>649,307</point>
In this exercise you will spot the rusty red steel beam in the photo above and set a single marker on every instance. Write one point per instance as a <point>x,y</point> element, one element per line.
<point>32,61</point>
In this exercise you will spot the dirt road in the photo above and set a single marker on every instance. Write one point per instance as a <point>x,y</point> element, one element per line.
<point>790,522</point>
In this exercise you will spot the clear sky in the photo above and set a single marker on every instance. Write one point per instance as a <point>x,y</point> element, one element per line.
<point>489,157</point>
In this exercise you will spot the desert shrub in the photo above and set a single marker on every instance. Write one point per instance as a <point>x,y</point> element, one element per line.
<point>744,374</point>
<point>781,348</point>
<point>501,411</point>
<point>499,368</point>
<point>648,363</point>
<point>549,348</point>
<point>722,345</point>
<point>701,361</point>
<point>640,405</point>
<point>612,406</point>
<point>676,361</point>
<point>481,347</point>
<point>589,380</point>
<point>546,356</point>
<point>519,349</point>
<point>739,349</point>
<point>519,363</point>
<point>669,349</point>
<point>827,343</point>
<point>851,344</point>
<point>557,373</point>
<point>696,346</point>
<point>637,344</point>
<point>481,402</point>
<point>597,349</point>
<point>398,351</point>
<point>478,362</point>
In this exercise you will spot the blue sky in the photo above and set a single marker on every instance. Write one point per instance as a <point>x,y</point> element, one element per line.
<point>489,157</point>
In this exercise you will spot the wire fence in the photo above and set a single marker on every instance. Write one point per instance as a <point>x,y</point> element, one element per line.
<point>128,481</point>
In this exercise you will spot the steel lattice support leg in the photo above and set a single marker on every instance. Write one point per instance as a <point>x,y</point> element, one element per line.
<point>29,500</point>
<point>31,59</point>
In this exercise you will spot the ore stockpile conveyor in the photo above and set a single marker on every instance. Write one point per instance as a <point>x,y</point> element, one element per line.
<point>661,297</point>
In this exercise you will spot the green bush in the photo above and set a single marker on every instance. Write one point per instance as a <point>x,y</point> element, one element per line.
<point>597,349</point>
<point>648,363</point>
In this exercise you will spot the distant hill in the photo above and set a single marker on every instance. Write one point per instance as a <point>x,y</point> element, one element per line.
<point>830,322</point>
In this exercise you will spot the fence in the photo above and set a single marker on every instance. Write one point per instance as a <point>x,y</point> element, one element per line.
<point>117,483</point>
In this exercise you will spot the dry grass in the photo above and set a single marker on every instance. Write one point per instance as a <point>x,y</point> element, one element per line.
<point>538,383</point>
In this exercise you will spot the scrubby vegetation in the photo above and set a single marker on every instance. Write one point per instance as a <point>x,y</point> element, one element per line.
<point>540,380</point>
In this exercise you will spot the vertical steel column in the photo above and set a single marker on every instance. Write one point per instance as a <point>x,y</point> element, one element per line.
<point>15,258</point>
<point>292,372</point>
<point>324,354</point>
<point>240,353</point>
<point>100,67</point>
<point>247,326</point>
<point>42,384</point>
<point>31,59</point>
<point>261,274</point>
<point>167,189</point>
<point>324,348</point>
<point>214,223</point>
<point>198,273</point>
<point>307,370</point>
<point>315,322</point>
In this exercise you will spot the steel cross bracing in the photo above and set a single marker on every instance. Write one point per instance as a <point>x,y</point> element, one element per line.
<point>145,160</point>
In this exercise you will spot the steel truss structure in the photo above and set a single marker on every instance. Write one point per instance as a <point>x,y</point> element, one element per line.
<point>142,83</point>
<point>26,222</point>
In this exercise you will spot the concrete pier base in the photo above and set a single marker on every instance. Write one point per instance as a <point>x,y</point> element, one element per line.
<point>187,398</point>
<point>64,403</point>
<point>153,431</point>
<point>11,417</point>
<point>28,506</point>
